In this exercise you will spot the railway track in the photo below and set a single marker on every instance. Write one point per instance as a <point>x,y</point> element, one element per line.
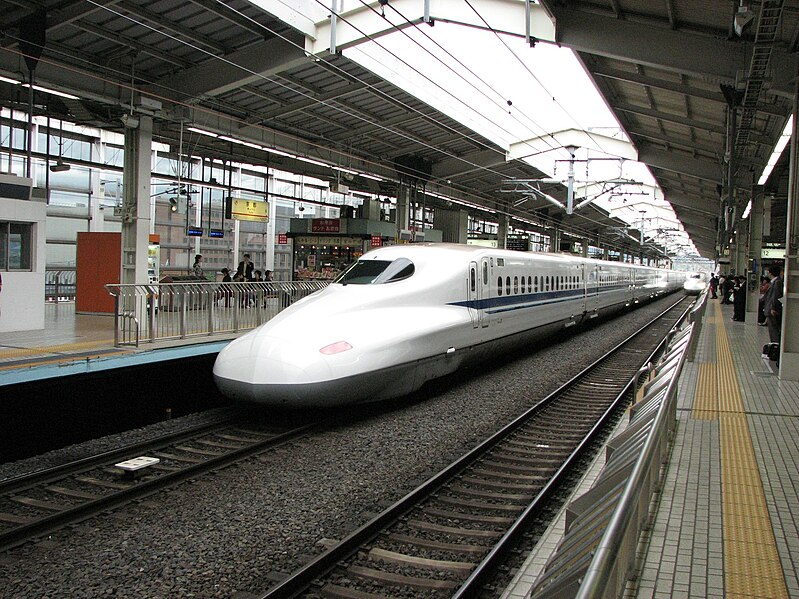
<point>45,501</point>
<point>445,538</point>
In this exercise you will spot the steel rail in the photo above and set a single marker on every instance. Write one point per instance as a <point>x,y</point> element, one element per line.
<point>49,524</point>
<point>301,579</point>
<point>53,473</point>
<point>471,587</point>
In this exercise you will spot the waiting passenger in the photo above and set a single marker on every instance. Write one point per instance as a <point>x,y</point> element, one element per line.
<point>739,299</point>
<point>772,306</point>
<point>764,286</point>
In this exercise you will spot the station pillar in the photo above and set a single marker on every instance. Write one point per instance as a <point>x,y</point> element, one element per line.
<point>754,253</point>
<point>403,207</point>
<point>502,231</point>
<point>554,240</point>
<point>789,347</point>
<point>136,199</point>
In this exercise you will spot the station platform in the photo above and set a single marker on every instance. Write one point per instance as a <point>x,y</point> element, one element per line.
<point>727,520</point>
<point>78,343</point>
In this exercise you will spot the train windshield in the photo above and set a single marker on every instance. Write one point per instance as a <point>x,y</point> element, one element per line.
<point>376,272</point>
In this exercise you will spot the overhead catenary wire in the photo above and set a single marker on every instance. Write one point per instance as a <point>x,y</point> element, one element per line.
<point>460,63</point>
<point>467,191</point>
<point>310,96</point>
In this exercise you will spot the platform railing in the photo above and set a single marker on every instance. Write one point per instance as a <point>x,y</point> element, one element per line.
<point>603,526</point>
<point>165,311</point>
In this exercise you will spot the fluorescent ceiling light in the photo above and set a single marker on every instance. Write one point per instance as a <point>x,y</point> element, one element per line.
<point>9,80</point>
<point>311,161</point>
<point>55,92</point>
<point>365,176</point>
<point>344,170</point>
<point>202,131</point>
<point>747,210</point>
<point>279,152</point>
<point>240,142</point>
<point>775,155</point>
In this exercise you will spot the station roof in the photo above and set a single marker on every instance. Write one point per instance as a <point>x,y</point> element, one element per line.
<point>263,73</point>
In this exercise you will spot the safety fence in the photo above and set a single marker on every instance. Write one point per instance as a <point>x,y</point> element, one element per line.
<point>157,312</point>
<point>59,286</point>
<point>597,555</point>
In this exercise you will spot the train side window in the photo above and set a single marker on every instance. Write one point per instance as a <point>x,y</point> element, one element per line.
<point>524,287</point>
<point>473,279</point>
<point>530,283</point>
<point>499,285</point>
<point>515,284</point>
<point>485,273</point>
<point>546,284</point>
<point>535,282</point>
<point>507,285</point>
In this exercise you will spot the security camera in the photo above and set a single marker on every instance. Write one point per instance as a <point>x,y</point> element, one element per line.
<point>743,17</point>
<point>301,208</point>
<point>130,121</point>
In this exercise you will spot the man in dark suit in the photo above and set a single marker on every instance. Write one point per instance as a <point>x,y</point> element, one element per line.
<point>245,270</point>
<point>772,307</point>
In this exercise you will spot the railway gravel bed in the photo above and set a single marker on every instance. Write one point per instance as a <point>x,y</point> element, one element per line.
<point>236,530</point>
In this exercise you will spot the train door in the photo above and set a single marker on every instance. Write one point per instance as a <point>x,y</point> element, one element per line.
<point>593,272</point>
<point>483,292</point>
<point>472,294</point>
<point>478,293</point>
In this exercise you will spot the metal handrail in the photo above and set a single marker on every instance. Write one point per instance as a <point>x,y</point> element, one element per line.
<point>182,309</point>
<point>604,568</point>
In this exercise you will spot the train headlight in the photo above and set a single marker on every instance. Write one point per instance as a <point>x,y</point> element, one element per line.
<point>335,348</point>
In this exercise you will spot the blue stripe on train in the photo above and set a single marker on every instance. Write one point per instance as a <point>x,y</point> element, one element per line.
<point>515,302</point>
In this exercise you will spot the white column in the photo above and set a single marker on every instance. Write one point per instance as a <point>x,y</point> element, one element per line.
<point>789,348</point>
<point>136,201</point>
<point>755,256</point>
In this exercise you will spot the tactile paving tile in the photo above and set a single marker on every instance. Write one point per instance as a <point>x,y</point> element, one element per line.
<point>752,566</point>
<point>707,395</point>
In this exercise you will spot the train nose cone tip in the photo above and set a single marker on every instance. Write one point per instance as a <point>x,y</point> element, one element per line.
<point>257,369</point>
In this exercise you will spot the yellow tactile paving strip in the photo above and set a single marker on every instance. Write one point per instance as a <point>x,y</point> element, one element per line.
<point>752,566</point>
<point>707,395</point>
<point>22,352</point>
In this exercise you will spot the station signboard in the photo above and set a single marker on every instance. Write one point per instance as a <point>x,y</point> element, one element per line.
<point>251,210</point>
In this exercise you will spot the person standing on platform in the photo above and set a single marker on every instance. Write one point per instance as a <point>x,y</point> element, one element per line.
<point>764,285</point>
<point>772,307</point>
<point>714,284</point>
<point>197,267</point>
<point>739,299</point>
<point>245,270</point>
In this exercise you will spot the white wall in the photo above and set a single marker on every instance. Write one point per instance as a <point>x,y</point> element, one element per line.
<point>22,297</point>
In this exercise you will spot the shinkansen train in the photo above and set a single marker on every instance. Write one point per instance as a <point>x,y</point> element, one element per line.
<point>403,315</point>
<point>695,283</point>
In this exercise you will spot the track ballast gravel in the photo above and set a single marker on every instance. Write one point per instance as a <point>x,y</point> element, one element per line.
<point>235,530</point>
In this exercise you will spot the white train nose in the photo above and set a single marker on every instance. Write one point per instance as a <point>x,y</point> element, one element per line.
<point>260,359</point>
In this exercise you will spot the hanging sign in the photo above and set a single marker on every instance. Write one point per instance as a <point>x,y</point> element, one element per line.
<point>253,210</point>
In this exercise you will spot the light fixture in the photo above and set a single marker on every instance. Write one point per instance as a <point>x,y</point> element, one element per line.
<point>59,166</point>
<point>9,80</point>
<point>201,131</point>
<point>742,18</point>
<point>54,92</point>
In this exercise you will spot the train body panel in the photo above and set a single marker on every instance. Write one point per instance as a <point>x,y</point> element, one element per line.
<point>403,315</point>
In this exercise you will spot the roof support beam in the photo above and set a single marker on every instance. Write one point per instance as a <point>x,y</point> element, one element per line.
<point>250,65</point>
<point>370,20</point>
<point>670,50</point>
<point>680,163</point>
<point>696,205</point>
<point>679,88</point>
